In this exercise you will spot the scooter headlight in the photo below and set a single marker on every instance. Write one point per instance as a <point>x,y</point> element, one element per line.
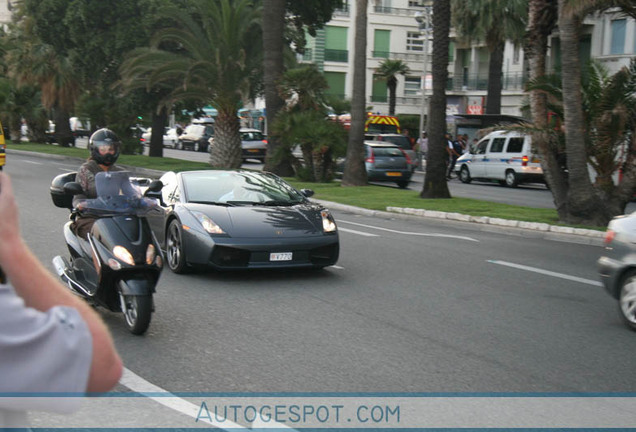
<point>122,254</point>
<point>151,253</point>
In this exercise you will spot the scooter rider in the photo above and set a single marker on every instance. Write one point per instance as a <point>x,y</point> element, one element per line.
<point>105,147</point>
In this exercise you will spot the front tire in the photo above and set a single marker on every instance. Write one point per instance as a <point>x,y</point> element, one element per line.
<point>627,300</point>
<point>403,184</point>
<point>174,247</point>
<point>511,179</point>
<point>137,311</point>
<point>180,145</point>
<point>464,175</point>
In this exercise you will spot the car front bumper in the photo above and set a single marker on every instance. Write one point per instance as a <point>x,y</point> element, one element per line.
<point>610,271</point>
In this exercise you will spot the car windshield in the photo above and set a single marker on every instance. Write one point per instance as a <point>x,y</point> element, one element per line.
<point>387,152</point>
<point>238,188</point>
<point>252,136</point>
<point>116,195</point>
<point>399,140</point>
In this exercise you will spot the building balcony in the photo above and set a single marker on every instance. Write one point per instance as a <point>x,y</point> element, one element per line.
<point>414,56</point>
<point>341,56</point>
<point>393,11</point>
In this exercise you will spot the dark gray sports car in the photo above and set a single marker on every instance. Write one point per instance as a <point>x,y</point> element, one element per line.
<point>240,219</point>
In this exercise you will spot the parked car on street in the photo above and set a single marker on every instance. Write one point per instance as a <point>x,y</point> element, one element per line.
<point>196,137</point>
<point>253,144</point>
<point>399,140</point>
<point>384,162</point>
<point>241,219</point>
<point>170,137</point>
<point>506,157</point>
<point>617,266</point>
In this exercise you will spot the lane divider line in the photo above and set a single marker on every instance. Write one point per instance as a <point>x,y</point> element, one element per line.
<point>406,232</point>
<point>546,272</point>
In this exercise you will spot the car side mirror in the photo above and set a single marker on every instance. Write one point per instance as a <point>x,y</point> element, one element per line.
<point>73,188</point>
<point>308,193</point>
<point>154,190</point>
<point>155,186</point>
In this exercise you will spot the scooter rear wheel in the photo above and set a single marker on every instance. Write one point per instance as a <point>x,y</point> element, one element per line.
<point>137,311</point>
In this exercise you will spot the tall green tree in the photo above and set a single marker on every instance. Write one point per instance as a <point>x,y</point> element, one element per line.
<point>577,199</point>
<point>35,63</point>
<point>435,184</point>
<point>388,71</point>
<point>277,14</point>
<point>114,28</point>
<point>542,19</point>
<point>210,51</point>
<point>305,123</point>
<point>355,173</point>
<point>492,22</point>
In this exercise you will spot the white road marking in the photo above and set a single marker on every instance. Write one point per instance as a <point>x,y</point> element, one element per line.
<point>357,232</point>
<point>337,267</point>
<point>139,385</point>
<point>547,272</point>
<point>405,232</point>
<point>33,162</point>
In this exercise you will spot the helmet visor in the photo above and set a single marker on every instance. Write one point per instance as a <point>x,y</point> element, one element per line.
<point>105,148</point>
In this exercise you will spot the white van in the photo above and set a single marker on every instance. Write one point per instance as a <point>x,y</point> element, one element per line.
<point>506,157</point>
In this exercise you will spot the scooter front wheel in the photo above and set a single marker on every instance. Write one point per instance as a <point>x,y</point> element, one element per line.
<point>137,311</point>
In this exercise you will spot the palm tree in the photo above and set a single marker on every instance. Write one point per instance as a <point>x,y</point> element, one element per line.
<point>494,22</point>
<point>435,184</point>
<point>388,71</point>
<point>542,19</point>
<point>211,51</point>
<point>355,173</point>
<point>273,68</point>
<point>33,63</point>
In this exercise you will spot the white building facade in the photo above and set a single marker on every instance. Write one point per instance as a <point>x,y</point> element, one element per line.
<point>393,32</point>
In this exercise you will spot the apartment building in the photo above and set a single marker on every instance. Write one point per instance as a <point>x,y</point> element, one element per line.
<point>393,32</point>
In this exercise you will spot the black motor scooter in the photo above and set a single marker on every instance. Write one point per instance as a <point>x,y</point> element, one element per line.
<point>118,265</point>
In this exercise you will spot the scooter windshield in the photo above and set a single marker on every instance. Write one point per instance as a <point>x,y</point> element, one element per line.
<point>116,195</point>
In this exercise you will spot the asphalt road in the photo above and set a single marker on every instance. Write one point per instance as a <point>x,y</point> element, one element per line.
<point>413,305</point>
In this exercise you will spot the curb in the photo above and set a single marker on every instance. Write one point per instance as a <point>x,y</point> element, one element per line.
<point>576,235</point>
<point>593,236</point>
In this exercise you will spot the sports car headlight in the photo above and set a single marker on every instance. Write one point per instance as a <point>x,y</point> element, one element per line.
<point>122,254</point>
<point>328,223</point>
<point>208,224</point>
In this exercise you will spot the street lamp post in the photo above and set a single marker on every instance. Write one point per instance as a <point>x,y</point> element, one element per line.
<point>423,21</point>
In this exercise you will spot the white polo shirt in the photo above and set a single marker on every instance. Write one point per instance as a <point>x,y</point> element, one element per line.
<point>40,353</point>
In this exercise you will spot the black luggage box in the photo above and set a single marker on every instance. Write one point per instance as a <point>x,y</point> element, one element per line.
<point>60,198</point>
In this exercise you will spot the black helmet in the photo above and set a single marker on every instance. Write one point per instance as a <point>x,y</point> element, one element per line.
<point>104,138</point>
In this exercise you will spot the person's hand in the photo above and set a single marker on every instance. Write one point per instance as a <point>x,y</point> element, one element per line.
<point>9,226</point>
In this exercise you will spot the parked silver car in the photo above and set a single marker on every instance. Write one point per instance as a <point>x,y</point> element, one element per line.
<point>617,266</point>
<point>170,137</point>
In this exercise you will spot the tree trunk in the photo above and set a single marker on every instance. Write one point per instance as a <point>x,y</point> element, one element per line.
<point>159,122</point>
<point>493,101</point>
<point>63,134</point>
<point>584,206</point>
<point>391,84</point>
<point>435,184</point>
<point>355,173</point>
<point>539,28</point>
<point>273,43</point>
<point>226,151</point>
